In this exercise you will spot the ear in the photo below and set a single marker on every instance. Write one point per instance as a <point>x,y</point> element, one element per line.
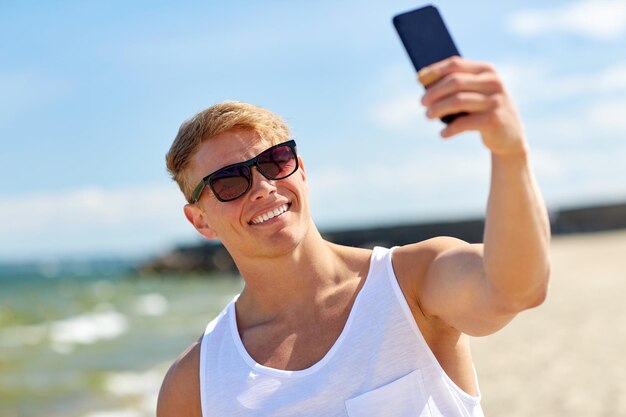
<point>301,165</point>
<point>198,219</point>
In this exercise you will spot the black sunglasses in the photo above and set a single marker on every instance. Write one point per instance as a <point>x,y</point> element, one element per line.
<point>232,181</point>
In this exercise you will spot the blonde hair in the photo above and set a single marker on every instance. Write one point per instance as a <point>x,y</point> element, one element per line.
<point>219,118</point>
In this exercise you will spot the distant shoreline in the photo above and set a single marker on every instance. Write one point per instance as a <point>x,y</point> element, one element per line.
<point>213,257</point>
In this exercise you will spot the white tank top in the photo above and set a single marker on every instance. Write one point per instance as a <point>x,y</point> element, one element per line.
<point>379,366</point>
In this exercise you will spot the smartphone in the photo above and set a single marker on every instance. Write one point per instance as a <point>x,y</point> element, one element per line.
<point>426,40</point>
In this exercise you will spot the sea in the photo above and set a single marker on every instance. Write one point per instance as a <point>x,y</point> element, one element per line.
<point>95,338</point>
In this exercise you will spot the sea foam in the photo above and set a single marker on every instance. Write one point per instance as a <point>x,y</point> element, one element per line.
<point>153,304</point>
<point>86,329</point>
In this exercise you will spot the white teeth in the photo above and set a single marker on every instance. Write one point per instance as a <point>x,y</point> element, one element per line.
<point>270,214</point>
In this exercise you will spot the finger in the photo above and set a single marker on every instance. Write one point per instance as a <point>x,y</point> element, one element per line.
<point>460,102</point>
<point>434,72</point>
<point>486,83</point>
<point>470,122</point>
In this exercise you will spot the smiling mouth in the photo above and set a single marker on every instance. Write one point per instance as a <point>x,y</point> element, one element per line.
<point>270,214</point>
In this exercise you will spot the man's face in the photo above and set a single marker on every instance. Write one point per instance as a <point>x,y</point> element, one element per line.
<point>240,223</point>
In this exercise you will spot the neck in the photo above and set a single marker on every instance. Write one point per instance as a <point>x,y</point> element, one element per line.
<point>292,281</point>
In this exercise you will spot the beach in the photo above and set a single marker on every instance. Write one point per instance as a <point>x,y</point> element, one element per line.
<point>566,357</point>
<point>89,344</point>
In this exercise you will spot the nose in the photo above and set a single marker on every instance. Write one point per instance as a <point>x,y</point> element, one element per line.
<point>261,187</point>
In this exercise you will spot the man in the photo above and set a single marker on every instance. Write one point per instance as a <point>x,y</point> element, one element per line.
<point>326,330</point>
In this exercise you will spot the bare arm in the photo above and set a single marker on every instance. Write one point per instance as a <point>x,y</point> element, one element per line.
<point>517,235</point>
<point>479,288</point>
<point>180,391</point>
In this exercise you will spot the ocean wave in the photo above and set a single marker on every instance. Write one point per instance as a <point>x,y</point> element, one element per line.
<point>153,304</point>
<point>135,383</point>
<point>140,388</point>
<point>86,329</point>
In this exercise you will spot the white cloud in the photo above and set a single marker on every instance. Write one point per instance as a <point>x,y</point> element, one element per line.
<point>538,81</point>
<point>599,120</point>
<point>608,115</point>
<point>576,150</point>
<point>594,175</point>
<point>597,19</point>
<point>401,113</point>
<point>86,207</point>
<point>548,165</point>
<point>399,110</point>
<point>425,178</point>
<point>591,106</point>
<point>127,220</point>
<point>446,182</point>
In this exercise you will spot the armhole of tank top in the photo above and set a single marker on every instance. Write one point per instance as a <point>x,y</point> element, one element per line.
<point>404,305</point>
<point>204,354</point>
<point>202,371</point>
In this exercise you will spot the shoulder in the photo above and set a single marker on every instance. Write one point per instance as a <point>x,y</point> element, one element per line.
<point>416,264</point>
<point>411,262</point>
<point>180,391</point>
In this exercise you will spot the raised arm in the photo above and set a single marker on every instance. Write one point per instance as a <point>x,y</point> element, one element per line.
<point>479,288</point>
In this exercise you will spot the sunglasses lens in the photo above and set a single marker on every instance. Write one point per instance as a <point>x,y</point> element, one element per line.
<point>277,163</point>
<point>230,183</point>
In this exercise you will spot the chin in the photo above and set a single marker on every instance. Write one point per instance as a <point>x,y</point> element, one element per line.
<point>283,242</point>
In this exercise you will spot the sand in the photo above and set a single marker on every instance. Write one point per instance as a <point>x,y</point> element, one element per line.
<point>568,356</point>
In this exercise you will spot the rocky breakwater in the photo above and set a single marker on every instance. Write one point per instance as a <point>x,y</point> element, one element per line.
<point>213,257</point>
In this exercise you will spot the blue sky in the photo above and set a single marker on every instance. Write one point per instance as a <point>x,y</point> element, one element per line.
<point>92,94</point>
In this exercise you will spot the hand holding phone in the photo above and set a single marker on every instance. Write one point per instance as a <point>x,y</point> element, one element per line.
<point>426,40</point>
